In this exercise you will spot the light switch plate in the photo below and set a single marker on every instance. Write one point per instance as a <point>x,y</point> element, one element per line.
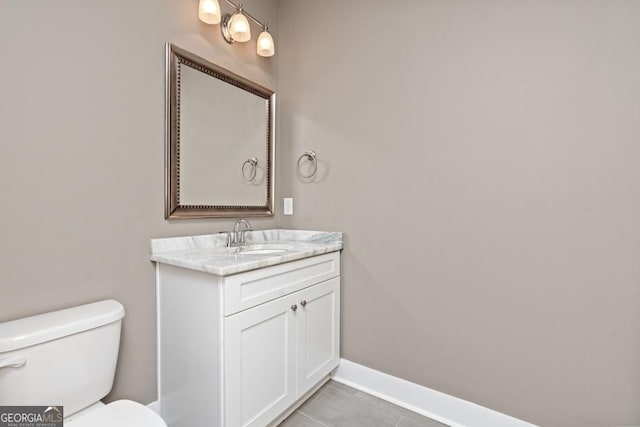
<point>288,206</point>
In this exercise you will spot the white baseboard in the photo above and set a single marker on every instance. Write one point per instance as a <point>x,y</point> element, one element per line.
<point>439,406</point>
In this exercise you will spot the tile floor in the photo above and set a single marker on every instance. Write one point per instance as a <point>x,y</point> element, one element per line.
<point>336,405</point>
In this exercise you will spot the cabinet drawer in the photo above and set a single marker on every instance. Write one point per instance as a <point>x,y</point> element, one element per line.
<point>246,290</point>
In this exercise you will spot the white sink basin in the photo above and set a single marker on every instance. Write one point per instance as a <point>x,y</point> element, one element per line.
<point>264,249</point>
<point>261,251</point>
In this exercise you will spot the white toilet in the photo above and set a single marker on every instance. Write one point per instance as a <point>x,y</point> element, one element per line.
<point>68,358</point>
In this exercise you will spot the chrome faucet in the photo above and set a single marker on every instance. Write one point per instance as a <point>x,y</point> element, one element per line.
<point>238,236</point>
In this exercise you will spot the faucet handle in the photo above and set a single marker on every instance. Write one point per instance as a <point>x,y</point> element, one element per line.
<point>228,237</point>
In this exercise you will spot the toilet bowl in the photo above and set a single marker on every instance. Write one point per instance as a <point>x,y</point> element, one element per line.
<point>119,413</point>
<point>68,358</point>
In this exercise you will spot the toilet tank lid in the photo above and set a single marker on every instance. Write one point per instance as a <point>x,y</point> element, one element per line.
<point>28,331</point>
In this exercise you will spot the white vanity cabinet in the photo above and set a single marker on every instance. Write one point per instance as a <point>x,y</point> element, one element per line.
<point>276,352</point>
<point>240,350</point>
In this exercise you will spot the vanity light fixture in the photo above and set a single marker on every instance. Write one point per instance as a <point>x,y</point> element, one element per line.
<point>209,11</point>
<point>235,27</point>
<point>266,47</point>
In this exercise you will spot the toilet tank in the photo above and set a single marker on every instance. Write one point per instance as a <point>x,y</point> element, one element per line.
<point>65,357</point>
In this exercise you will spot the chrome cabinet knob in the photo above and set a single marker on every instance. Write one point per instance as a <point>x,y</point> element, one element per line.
<point>294,307</point>
<point>303,303</point>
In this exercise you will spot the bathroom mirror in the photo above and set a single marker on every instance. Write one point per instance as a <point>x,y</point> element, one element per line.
<point>219,142</point>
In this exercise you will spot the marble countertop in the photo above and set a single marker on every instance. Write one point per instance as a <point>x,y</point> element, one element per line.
<point>209,253</point>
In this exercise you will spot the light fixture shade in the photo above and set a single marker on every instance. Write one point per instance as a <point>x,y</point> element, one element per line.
<point>239,28</point>
<point>209,11</point>
<point>265,46</point>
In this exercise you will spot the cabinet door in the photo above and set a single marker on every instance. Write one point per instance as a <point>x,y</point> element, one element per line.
<point>318,333</point>
<point>260,363</point>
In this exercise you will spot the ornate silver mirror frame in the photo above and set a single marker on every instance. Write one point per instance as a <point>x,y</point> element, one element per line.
<point>176,59</point>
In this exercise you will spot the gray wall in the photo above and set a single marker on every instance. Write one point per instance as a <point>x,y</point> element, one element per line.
<point>482,159</point>
<point>81,156</point>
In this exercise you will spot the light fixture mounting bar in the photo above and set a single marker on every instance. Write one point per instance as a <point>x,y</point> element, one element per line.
<point>245,13</point>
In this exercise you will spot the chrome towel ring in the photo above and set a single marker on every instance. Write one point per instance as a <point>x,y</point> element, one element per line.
<point>313,158</point>
<point>253,164</point>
